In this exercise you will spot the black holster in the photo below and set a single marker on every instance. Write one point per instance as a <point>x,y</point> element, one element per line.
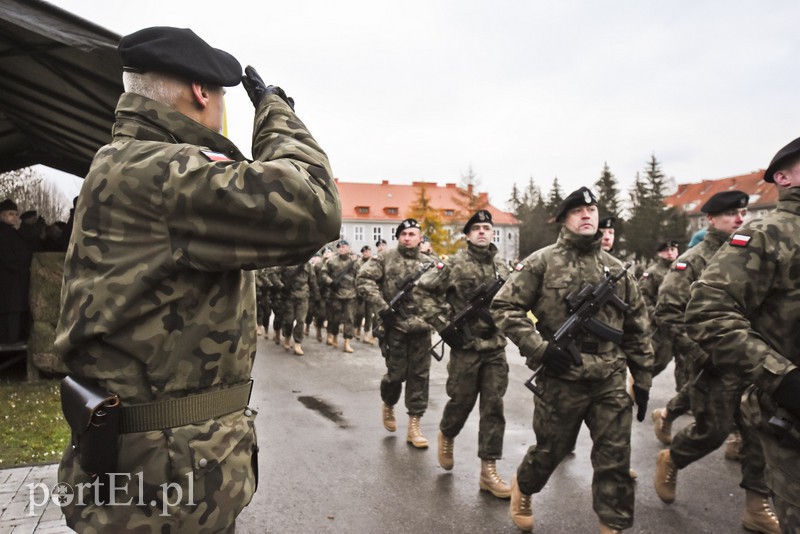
<point>93,415</point>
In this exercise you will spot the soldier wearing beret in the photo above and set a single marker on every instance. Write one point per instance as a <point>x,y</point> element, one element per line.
<point>158,301</point>
<point>606,227</point>
<point>407,338</point>
<point>713,408</point>
<point>592,393</point>
<point>299,284</point>
<point>380,246</point>
<point>743,312</point>
<point>339,276</point>
<point>364,310</point>
<point>477,366</point>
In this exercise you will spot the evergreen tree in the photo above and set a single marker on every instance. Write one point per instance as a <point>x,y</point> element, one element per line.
<point>431,221</point>
<point>555,198</point>
<point>608,194</point>
<point>655,181</point>
<point>536,229</point>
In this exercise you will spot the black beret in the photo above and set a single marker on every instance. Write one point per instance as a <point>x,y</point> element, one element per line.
<point>783,158</point>
<point>8,205</point>
<point>380,242</point>
<point>408,223</point>
<point>480,216</point>
<point>365,248</point>
<point>606,222</point>
<point>666,244</point>
<point>724,201</point>
<point>181,52</point>
<point>28,214</point>
<point>579,197</point>
<point>342,242</point>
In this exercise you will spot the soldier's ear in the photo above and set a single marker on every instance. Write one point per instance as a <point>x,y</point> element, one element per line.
<point>200,96</point>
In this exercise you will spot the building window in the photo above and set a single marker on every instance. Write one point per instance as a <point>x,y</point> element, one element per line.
<point>495,236</point>
<point>392,211</point>
<point>358,233</point>
<point>448,213</point>
<point>377,233</point>
<point>362,210</point>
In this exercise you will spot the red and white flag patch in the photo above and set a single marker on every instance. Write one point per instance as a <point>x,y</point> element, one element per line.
<point>680,266</point>
<point>440,266</point>
<point>215,156</point>
<point>740,240</point>
<point>519,267</point>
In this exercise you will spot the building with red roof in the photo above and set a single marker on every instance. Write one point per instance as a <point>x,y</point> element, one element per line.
<point>372,211</point>
<point>690,197</point>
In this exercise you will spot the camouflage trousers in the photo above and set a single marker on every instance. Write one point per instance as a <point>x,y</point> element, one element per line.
<point>263,308</point>
<point>606,409</point>
<point>407,360</point>
<point>472,374</point>
<point>681,403</point>
<point>662,348</point>
<point>341,312</point>
<point>194,478</point>
<point>321,311</point>
<point>294,317</point>
<point>364,313</point>
<point>715,405</point>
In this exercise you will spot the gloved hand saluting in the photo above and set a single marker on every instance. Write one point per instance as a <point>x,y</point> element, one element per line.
<point>257,89</point>
<point>640,396</point>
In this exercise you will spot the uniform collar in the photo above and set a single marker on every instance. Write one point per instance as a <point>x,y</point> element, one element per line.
<point>482,253</point>
<point>582,244</point>
<point>715,238</point>
<point>789,200</point>
<point>410,253</point>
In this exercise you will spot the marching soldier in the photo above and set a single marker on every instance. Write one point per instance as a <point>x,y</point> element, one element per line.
<point>407,338</point>
<point>592,393</point>
<point>606,226</point>
<point>158,301</point>
<point>339,275</point>
<point>744,314</point>
<point>321,314</point>
<point>651,280</point>
<point>364,310</point>
<point>477,365</point>
<point>299,283</point>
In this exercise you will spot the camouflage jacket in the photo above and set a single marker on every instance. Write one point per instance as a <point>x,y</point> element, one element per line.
<point>676,288</point>
<point>651,280</point>
<point>321,288</point>
<point>379,280</point>
<point>299,281</point>
<point>267,278</point>
<point>446,290</point>
<point>744,309</point>
<point>541,283</point>
<point>336,265</point>
<point>159,296</point>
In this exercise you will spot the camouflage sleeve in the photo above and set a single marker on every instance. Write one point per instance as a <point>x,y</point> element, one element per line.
<point>649,290</point>
<point>636,336</point>
<point>430,294</point>
<point>325,274</point>
<point>671,307</point>
<point>312,282</point>
<point>276,210</point>
<point>510,309</point>
<point>368,279</point>
<point>736,282</point>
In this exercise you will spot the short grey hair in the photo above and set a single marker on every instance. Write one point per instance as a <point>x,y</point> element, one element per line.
<point>154,85</point>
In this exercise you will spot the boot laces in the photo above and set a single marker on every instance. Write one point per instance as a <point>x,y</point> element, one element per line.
<point>491,470</point>
<point>447,446</point>
<point>414,427</point>
<point>671,473</point>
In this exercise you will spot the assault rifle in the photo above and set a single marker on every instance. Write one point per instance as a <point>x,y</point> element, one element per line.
<point>405,287</point>
<point>341,274</point>
<point>476,308</point>
<point>584,306</point>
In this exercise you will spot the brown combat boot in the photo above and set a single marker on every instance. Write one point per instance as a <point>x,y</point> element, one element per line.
<point>347,348</point>
<point>329,341</point>
<point>733,447</point>
<point>758,515</point>
<point>662,426</point>
<point>414,435</point>
<point>490,481</point>
<point>387,413</point>
<point>445,452</point>
<point>260,331</point>
<point>666,479</point>
<point>298,350</point>
<point>357,334</point>
<point>287,343</point>
<point>319,334</point>
<point>277,337</point>
<point>521,512</point>
<point>605,529</point>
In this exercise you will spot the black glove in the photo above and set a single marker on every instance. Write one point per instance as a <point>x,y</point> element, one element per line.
<point>787,394</point>
<point>640,397</point>
<point>454,338</point>
<point>388,319</point>
<point>555,359</point>
<point>257,89</point>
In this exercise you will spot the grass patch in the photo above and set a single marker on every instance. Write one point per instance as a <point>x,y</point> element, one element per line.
<point>32,427</point>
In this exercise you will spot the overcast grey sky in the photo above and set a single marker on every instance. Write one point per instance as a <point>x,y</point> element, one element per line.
<point>421,90</point>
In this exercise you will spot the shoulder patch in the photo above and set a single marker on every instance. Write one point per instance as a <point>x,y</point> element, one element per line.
<point>215,156</point>
<point>740,240</point>
<point>680,266</point>
<point>519,267</point>
<point>645,274</point>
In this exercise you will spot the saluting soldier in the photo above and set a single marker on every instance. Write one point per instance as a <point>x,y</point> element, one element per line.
<point>158,301</point>
<point>339,275</point>
<point>477,366</point>
<point>407,338</point>
<point>715,415</point>
<point>299,283</point>
<point>744,314</point>
<point>592,393</point>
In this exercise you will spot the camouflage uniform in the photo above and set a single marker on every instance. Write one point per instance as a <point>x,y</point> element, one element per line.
<point>321,314</point>
<point>364,309</point>
<point>593,393</point>
<point>266,282</point>
<point>299,282</point>
<point>744,313</point>
<point>713,399</point>
<point>480,367</point>
<point>342,298</point>
<point>405,345</point>
<point>649,283</point>
<point>158,300</point>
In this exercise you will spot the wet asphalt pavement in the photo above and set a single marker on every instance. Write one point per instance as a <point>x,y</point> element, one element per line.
<point>328,465</point>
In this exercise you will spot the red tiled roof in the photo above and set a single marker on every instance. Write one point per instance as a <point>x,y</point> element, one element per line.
<point>392,202</point>
<point>691,197</point>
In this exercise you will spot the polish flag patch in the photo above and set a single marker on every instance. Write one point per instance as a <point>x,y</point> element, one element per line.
<point>519,267</point>
<point>440,266</point>
<point>740,240</point>
<point>680,266</point>
<point>215,156</point>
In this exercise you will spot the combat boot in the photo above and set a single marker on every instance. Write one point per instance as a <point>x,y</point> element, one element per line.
<point>445,452</point>
<point>758,515</point>
<point>287,343</point>
<point>605,529</point>
<point>490,481</point>
<point>666,479</point>
<point>521,512</point>
<point>367,338</point>
<point>347,347</point>
<point>298,350</point>
<point>357,335</point>
<point>414,435</point>
<point>277,338</point>
<point>733,447</point>
<point>319,334</point>
<point>260,331</point>
<point>389,422</point>
<point>662,426</point>
<point>329,340</point>
<point>334,341</point>
<point>305,332</point>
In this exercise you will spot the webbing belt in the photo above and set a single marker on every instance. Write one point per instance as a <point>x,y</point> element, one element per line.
<point>183,411</point>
